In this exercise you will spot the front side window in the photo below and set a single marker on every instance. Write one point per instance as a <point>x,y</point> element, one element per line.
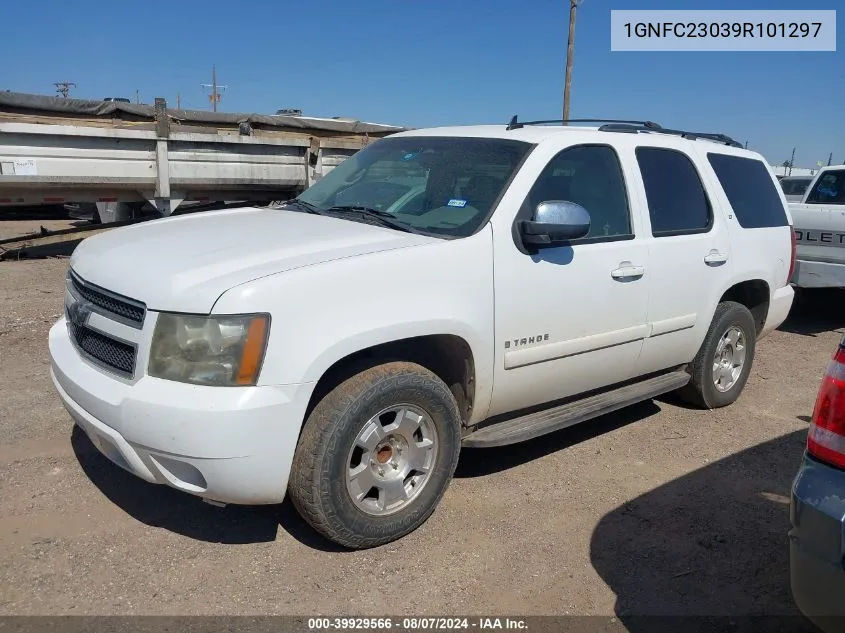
<point>591,176</point>
<point>435,185</point>
<point>830,189</point>
<point>677,203</point>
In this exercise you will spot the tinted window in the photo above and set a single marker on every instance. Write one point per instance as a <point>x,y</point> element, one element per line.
<point>441,186</point>
<point>591,176</point>
<point>794,186</point>
<point>830,189</point>
<point>750,190</point>
<point>676,199</point>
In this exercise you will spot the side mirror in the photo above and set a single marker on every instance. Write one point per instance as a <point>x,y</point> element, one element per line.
<point>555,221</point>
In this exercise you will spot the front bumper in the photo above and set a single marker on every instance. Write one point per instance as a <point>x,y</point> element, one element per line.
<point>817,542</point>
<point>227,444</point>
<point>811,274</point>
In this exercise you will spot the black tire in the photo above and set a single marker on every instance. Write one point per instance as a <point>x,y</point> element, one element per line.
<point>701,390</point>
<point>317,485</point>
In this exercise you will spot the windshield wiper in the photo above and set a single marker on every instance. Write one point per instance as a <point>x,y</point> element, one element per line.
<point>301,205</point>
<point>381,217</point>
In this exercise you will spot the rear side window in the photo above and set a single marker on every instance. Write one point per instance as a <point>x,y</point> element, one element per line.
<point>750,190</point>
<point>677,203</point>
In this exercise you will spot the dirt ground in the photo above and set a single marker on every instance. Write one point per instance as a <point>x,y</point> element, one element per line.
<point>19,223</point>
<point>658,509</point>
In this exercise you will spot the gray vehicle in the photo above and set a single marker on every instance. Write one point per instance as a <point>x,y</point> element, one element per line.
<point>817,510</point>
<point>794,187</point>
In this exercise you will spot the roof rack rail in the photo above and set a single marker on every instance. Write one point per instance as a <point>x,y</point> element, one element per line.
<point>635,129</point>
<point>631,127</point>
<point>516,124</point>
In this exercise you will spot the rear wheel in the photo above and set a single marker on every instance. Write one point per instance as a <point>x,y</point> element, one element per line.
<point>722,366</point>
<point>376,455</point>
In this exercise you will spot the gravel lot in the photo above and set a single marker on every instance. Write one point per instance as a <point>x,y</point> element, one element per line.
<point>657,509</point>
<point>19,223</point>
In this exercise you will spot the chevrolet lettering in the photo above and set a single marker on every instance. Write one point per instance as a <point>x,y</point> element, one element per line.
<point>819,237</point>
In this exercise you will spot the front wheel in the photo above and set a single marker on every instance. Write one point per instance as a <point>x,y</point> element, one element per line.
<point>376,455</point>
<point>721,367</point>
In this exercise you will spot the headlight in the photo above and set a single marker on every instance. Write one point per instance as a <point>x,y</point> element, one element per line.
<point>225,350</point>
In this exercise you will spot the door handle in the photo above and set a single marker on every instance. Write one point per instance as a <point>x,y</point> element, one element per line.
<point>626,270</point>
<point>714,257</point>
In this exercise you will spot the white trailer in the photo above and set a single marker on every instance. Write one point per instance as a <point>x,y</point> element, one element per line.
<point>119,156</point>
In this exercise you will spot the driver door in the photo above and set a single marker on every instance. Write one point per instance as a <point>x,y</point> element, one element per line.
<point>571,318</point>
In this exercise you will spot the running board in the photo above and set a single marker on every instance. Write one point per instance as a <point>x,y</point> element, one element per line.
<point>533,425</point>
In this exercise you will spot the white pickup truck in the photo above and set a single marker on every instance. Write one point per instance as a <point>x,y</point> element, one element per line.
<point>471,286</point>
<point>820,231</point>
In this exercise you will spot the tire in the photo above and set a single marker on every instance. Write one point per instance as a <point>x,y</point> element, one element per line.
<point>702,390</point>
<point>331,462</point>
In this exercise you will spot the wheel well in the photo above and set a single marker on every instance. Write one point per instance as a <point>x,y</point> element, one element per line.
<point>447,356</point>
<point>754,295</point>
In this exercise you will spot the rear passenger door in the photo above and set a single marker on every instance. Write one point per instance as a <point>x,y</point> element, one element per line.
<point>760,233</point>
<point>689,253</point>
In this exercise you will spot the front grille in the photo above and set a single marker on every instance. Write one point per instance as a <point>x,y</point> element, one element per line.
<point>105,350</point>
<point>128,310</point>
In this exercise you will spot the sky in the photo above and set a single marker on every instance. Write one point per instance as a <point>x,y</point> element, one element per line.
<point>429,62</point>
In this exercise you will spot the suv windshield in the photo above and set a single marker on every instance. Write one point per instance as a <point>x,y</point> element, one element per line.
<point>436,185</point>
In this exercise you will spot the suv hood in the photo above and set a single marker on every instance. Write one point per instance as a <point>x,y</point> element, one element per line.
<point>183,264</point>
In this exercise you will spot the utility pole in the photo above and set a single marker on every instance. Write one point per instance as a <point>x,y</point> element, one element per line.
<point>63,88</point>
<point>792,161</point>
<point>215,89</point>
<point>746,144</point>
<point>829,159</point>
<point>178,101</point>
<point>570,51</point>
<point>137,96</point>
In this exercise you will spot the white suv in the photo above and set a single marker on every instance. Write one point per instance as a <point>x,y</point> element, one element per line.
<point>473,286</point>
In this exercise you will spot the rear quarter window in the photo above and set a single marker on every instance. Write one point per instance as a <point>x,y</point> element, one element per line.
<point>750,190</point>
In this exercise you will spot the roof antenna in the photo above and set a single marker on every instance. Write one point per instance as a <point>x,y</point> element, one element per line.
<point>514,124</point>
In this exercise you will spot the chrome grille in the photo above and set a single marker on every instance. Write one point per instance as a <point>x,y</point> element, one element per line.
<point>115,355</point>
<point>126,310</point>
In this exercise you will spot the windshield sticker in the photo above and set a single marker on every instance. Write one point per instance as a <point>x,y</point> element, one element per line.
<point>410,156</point>
<point>454,202</point>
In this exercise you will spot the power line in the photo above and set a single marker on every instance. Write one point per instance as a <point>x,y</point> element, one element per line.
<point>215,95</point>
<point>63,88</point>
